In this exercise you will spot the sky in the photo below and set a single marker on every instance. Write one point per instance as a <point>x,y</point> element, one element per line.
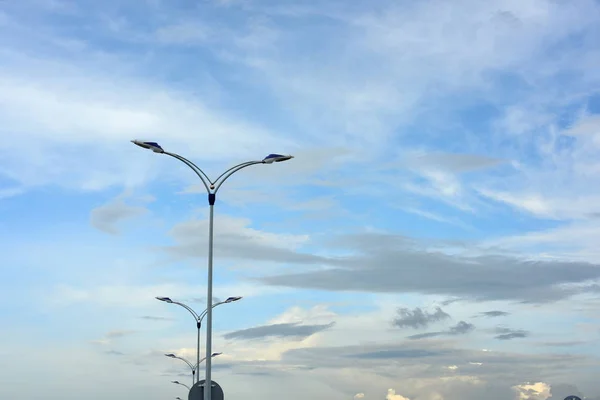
<point>435,236</point>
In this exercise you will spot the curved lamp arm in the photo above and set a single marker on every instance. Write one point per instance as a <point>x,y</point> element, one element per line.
<point>192,367</point>
<point>198,317</point>
<point>203,177</point>
<point>189,309</point>
<point>233,170</point>
<point>170,301</point>
<point>206,311</point>
<point>211,186</point>
<point>213,355</point>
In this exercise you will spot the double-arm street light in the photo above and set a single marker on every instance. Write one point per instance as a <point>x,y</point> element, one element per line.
<point>212,187</point>
<point>198,318</point>
<point>192,366</point>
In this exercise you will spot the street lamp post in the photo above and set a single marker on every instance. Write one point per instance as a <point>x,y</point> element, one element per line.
<point>198,318</point>
<point>192,366</point>
<point>212,187</point>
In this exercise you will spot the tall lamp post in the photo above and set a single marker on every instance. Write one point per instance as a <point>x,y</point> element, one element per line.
<point>212,187</point>
<point>198,318</point>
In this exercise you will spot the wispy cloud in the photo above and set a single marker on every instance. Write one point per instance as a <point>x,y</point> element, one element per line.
<point>108,216</point>
<point>504,333</point>
<point>278,330</point>
<point>461,328</point>
<point>418,318</point>
<point>494,314</point>
<point>155,318</point>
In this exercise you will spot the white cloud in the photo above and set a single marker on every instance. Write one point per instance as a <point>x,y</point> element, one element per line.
<point>391,395</point>
<point>533,391</point>
<point>235,239</point>
<point>534,204</point>
<point>586,126</point>
<point>317,314</point>
<point>74,125</point>
<point>573,241</point>
<point>238,227</point>
<point>190,33</point>
<point>143,296</point>
<point>108,216</point>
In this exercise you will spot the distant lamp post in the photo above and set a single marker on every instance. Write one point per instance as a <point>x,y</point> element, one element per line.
<point>212,187</point>
<point>192,366</point>
<point>198,318</point>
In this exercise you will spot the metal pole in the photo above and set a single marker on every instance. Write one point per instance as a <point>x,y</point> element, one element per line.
<point>198,325</point>
<point>208,381</point>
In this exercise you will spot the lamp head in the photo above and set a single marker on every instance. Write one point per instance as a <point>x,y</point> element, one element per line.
<point>165,299</point>
<point>155,147</point>
<point>271,158</point>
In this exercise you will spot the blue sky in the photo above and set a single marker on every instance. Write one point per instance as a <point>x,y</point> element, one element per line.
<point>434,238</point>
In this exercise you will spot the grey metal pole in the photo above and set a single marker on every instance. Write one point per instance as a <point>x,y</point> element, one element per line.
<point>199,325</point>
<point>208,381</point>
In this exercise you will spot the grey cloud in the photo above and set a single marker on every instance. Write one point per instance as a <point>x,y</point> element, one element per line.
<point>450,301</point>
<point>493,314</point>
<point>509,334</point>
<point>562,344</point>
<point>386,263</point>
<point>114,353</point>
<point>118,334</point>
<point>153,318</point>
<point>393,354</point>
<point>425,361</point>
<point>232,242</point>
<point>417,318</point>
<point>201,300</point>
<point>107,217</point>
<point>426,335</point>
<point>278,330</point>
<point>461,328</point>
<point>508,367</point>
